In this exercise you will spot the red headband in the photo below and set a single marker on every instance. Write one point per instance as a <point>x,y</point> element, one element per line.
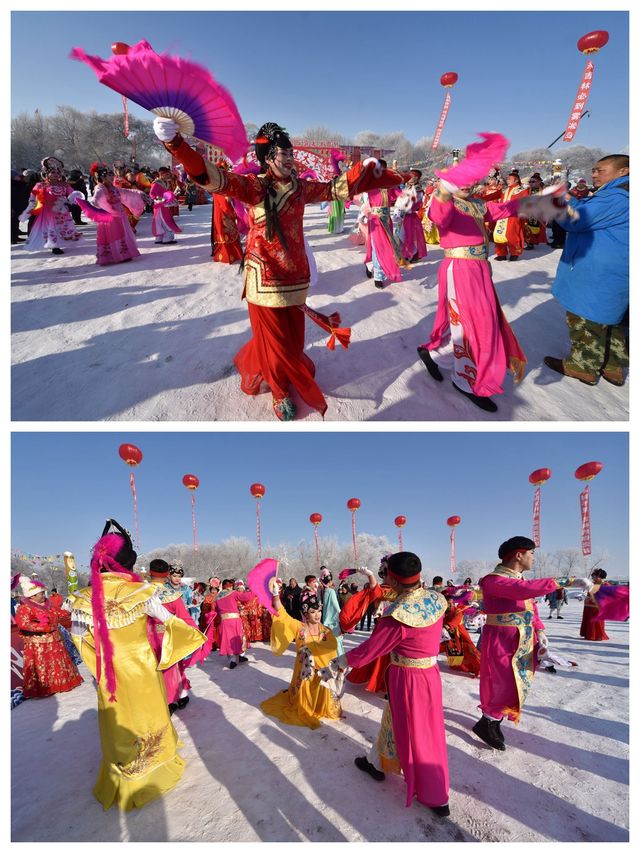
<point>411,579</point>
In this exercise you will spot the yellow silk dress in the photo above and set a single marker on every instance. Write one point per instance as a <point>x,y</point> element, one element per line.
<point>307,699</point>
<point>139,743</point>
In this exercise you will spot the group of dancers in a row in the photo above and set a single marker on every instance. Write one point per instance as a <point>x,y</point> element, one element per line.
<point>122,618</point>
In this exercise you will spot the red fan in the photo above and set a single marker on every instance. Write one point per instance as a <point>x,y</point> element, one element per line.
<point>173,88</point>
<point>345,573</point>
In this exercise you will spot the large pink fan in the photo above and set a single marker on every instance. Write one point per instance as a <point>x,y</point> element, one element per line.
<point>345,573</point>
<point>613,602</point>
<point>258,581</point>
<point>174,88</point>
<point>480,157</point>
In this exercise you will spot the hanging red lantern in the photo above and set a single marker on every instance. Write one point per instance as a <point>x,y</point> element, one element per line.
<point>538,478</point>
<point>593,42</point>
<point>132,455</point>
<point>449,79</point>
<point>258,491</point>
<point>119,48</point>
<point>353,504</point>
<point>590,43</point>
<point>400,521</point>
<point>191,482</point>
<point>315,518</point>
<point>453,521</point>
<point>586,473</point>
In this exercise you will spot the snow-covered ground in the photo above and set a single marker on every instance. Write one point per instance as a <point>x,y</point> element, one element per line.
<point>154,339</point>
<point>563,777</point>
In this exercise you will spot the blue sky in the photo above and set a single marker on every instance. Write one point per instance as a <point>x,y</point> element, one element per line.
<point>519,71</point>
<point>65,484</point>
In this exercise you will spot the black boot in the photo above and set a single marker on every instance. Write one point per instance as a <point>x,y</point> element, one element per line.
<point>57,251</point>
<point>486,731</point>
<point>368,271</point>
<point>485,403</point>
<point>182,702</point>
<point>233,665</point>
<point>440,811</point>
<point>379,284</point>
<point>497,729</point>
<point>366,766</point>
<point>173,707</point>
<point>429,363</point>
<point>243,659</point>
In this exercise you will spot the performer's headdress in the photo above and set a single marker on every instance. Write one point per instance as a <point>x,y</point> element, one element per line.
<point>26,586</point>
<point>516,173</point>
<point>113,552</point>
<point>99,171</point>
<point>416,172</point>
<point>159,569</point>
<point>52,166</point>
<point>176,570</point>
<point>537,175</point>
<point>238,584</point>
<point>510,548</point>
<point>325,575</point>
<point>213,579</point>
<point>269,138</point>
<point>382,571</point>
<point>404,567</point>
<point>309,601</point>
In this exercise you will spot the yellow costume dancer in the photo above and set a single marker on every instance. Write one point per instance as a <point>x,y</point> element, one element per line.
<point>109,627</point>
<point>308,699</point>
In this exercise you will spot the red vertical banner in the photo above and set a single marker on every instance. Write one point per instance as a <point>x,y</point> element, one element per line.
<point>585,514</point>
<point>536,517</point>
<point>580,102</point>
<point>441,121</point>
<point>125,108</point>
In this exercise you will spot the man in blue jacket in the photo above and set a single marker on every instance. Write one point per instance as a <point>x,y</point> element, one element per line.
<point>592,279</point>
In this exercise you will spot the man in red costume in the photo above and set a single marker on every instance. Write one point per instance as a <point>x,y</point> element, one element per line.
<point>276,269</point>
<point>508,234</point>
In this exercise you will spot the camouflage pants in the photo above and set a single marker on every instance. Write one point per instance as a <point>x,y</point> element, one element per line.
<point>596,347</point>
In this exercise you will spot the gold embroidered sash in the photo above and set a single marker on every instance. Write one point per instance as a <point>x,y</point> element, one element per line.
<point>468,253</point>
<point>522,660</point>
<point>412,663</point>
<point>230,616</point>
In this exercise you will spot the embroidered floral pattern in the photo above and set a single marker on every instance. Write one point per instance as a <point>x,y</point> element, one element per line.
<point>147,749</point>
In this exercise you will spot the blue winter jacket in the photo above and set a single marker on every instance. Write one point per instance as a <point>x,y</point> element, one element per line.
<point>592,279</point>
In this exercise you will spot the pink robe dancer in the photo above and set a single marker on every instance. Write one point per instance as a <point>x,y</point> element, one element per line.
<point>416,734</point>
<point>507,660</point>
<point>414,245</point>
<point>163,227</point>
<point>115,239</point>
<point>52,221</point>
<point>382,250</point>
<point>231,636</point>
<point>469,315</point>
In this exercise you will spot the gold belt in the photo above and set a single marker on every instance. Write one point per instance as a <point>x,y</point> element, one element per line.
<point>510,620</point>
<point>412,663</point>
<point>39,638</point>
<point>229,615</point>
<point>468,253</point>
<point>380,211</point>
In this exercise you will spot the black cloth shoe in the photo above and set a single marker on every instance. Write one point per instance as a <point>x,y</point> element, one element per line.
<point>429,363</point>
<point>500,258</point>
<point>368,271</point>
<point>366,766</point>
<point>514,257</point>
<point>560,617</point>
<point>233,665</point>
<point>529,248</point>
<point>173,707</point>
<point>57,251</point>
<point>497,729</point>
<point>486,732</point>
<point>183,702</point>
<point>415,258</point>
<point>243,659</point>
<point>484,403</point>
<point>440,811</point>
<point>379,284</point>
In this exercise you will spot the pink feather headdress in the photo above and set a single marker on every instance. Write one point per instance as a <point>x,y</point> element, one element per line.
<point>336,157</point>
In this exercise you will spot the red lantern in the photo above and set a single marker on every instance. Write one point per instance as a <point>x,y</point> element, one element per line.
<point>400,521</point>
<point>315,518</point>
<point>585,473</point>
<point>593,42</point>
<point>192,482</point>
<point>538,478</point>
<point>353,504</point>
<point>119,48</point>
<point>257,490</point>
<point>449,79</point>
<point>132,455</point>
<point>588,471</point>
<point>453,522</point>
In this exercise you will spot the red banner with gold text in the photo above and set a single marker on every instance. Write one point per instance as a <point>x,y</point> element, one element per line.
<point>580,102</point>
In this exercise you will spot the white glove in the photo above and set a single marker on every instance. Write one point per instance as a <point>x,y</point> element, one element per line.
<point>153,607</point>
<point>582,583</point>
<point>543,643</point>
<point>363,570</point>
<point>164,128</point>
<point>448,187</point>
